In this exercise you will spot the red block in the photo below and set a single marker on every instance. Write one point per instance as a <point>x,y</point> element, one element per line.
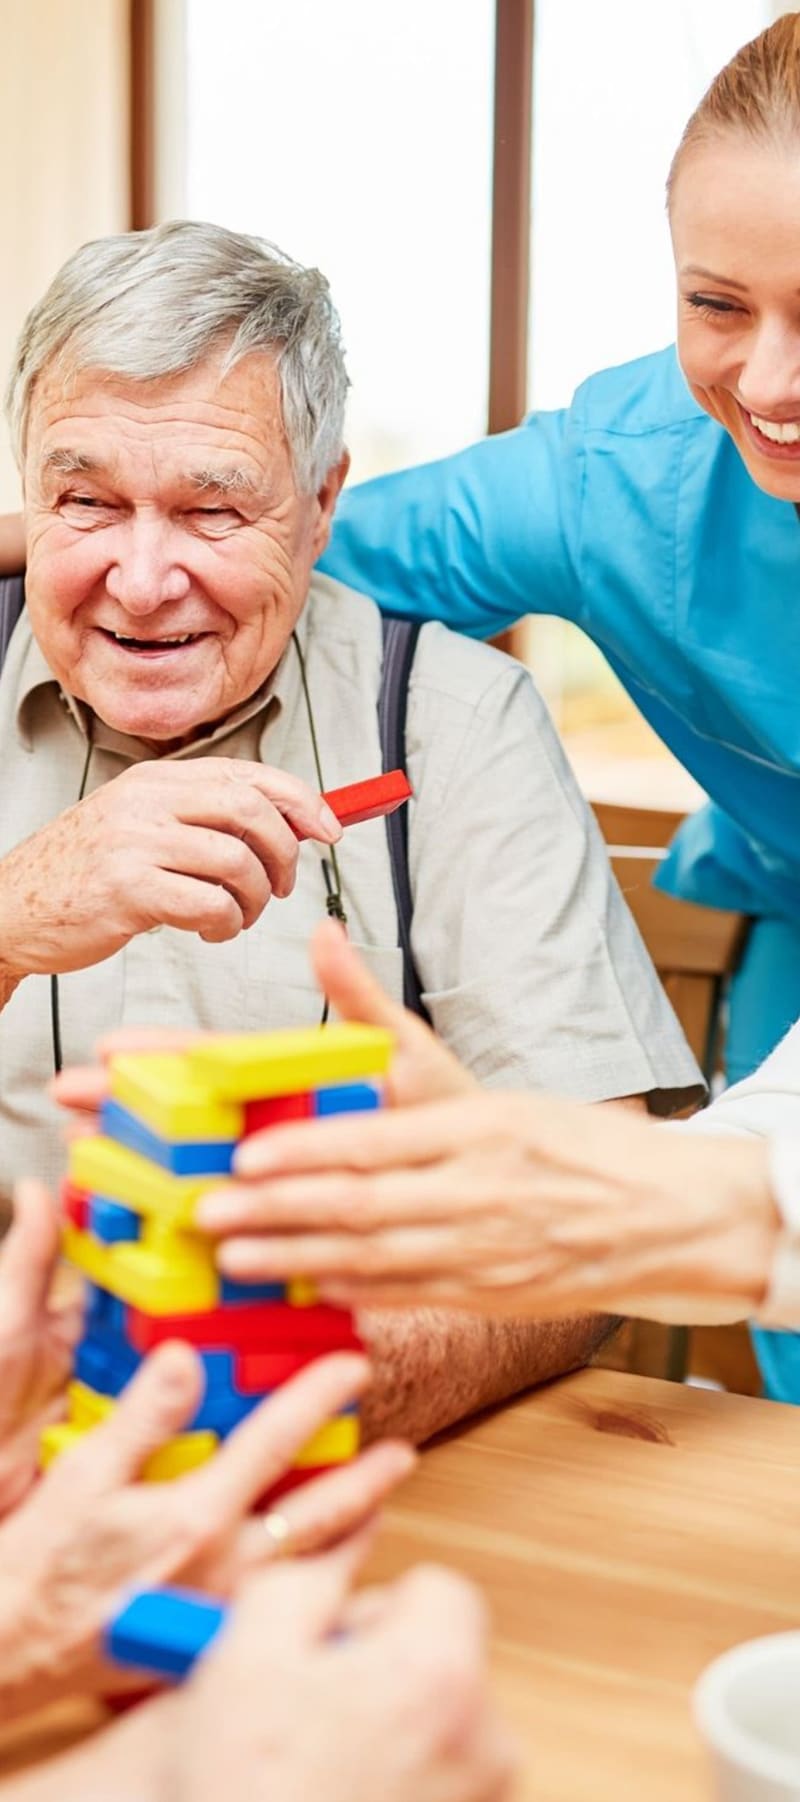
<point>75,1205</point>
<point>275,1110</point>
<point>263,1326</point>
<point>256,1372</point>
<point>369,800</point>
<point>291,1479</point>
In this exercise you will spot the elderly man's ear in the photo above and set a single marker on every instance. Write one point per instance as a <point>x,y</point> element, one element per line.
<point>327,496</point>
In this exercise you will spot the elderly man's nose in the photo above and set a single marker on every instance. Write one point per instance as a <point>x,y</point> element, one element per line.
<point>144,575</point>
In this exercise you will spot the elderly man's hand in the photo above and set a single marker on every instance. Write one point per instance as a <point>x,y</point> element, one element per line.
<point>91,1531</point>
<point>201,846</point>
<point>397,1709</point>
<point>37,1339</point>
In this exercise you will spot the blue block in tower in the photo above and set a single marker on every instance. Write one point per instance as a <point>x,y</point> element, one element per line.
<point>347,1098</point>
<point>206,1157</point>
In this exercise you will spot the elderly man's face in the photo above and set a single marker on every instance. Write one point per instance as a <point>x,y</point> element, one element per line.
<point>169,552</point>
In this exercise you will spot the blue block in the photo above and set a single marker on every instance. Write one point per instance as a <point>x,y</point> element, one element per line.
<point>163,1630</point>
<point>103,1369</point>
<point>208,1157</point>
<point>105,1315</point>
<point>221,1413</point>
<point>347,1098</point>
<point>112,1223</point>
<point>231,1292</point>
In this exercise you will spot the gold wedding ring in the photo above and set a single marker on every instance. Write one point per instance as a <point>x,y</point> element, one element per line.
<point>278,1532</point>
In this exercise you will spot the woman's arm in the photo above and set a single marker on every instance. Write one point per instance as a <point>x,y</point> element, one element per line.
<point>476,540</point>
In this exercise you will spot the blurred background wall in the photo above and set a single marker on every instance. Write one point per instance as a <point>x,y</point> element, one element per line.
<point>64,150</point>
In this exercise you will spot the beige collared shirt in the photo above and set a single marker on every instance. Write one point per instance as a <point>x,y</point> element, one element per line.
<point>531,966</point>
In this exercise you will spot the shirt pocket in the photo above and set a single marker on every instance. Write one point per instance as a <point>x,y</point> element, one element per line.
<point>281,989</point>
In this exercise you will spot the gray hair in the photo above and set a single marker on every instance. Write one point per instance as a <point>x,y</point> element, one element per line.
<point>154,303</point>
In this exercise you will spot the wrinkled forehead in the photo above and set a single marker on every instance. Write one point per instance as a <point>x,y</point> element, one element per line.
<point>231,416</point>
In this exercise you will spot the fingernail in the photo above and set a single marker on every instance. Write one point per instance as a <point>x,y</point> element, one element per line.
<point>329,821</point>
<point>252,1160</point>
<point>219,1208</point>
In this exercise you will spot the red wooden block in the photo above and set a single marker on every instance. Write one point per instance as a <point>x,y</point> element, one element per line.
<point>291,1479</point>
<point>256,1372</point>
<point>369,800</point>
<point>75,1206</point>
<point>275,1110</point>
<point>264,1326</point>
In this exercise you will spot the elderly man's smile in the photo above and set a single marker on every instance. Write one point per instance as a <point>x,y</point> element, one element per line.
<point>154,645</point>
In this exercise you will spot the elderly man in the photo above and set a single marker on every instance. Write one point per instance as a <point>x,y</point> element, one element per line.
<point>177,404</point>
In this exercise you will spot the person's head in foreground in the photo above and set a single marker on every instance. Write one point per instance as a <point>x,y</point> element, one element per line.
<point>177,408</point>
<point>734,206</point>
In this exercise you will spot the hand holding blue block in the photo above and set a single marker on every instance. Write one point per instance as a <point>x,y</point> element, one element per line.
<point>163,1631</point>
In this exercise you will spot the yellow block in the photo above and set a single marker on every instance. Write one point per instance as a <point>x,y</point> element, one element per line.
<point>165,1273</point>
<point>256,1065</point>
<point>106,1168</point>
<point>87,1407</point>
<point>334,1443</point>
<point>180,1455</point>
<point>161,1091</point>
<point>302,1293</point>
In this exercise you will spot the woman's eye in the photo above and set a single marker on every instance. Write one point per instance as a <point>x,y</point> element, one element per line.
<point>711,305</point>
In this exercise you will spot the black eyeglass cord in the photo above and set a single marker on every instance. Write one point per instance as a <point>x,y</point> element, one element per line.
<point>330,870</point>
<point>55,1003</point>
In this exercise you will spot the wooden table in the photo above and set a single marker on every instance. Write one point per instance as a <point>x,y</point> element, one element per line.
<point>625,1531</point>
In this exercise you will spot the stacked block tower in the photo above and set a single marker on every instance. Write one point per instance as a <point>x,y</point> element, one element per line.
<point>168,1134</point>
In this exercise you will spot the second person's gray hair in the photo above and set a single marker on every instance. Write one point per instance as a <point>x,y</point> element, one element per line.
<point>151,304</point>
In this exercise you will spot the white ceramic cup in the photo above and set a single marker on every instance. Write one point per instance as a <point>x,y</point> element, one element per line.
<point>747,1707</point>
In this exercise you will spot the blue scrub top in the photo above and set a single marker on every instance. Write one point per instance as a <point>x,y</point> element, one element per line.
<point>632,514</point>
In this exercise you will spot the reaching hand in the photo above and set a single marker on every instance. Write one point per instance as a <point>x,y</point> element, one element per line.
<point>91,1531</point>
<point>385,1698</point>
<point>37,1339</point>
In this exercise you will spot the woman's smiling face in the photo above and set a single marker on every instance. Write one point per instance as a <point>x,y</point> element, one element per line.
<point>735,220</point>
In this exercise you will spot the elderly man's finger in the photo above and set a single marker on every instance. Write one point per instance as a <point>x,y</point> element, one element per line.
<point>307,813</point>
<point>157,1404</point>
<point>299,1602</point>
<point>264,1446</point>
<point>331,1507</point>
<point>29,1254</point>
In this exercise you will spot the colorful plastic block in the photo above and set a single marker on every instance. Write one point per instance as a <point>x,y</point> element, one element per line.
<point>60,1437</point>
<point>103,1369</point>
<point>334,1443</point>
<point>163,1631</point>
<point>105,1316</point>
<point>159,1089</point>
<point>302,1293</point>
<point>87,1406</point>
<point>233,1294</point>
<point>167,1276</point>
<point>75,1205</point>
<point>276,1328</point>
<point>370,800</point>
<point>183,1454</point>
<point>113,1171</point>
<point>348,1098</point>
<point>182,1157</point>
<point>276,1110</point>
<point>112,1224</point>
<point>256,1065</point>
<point>255,1373</point>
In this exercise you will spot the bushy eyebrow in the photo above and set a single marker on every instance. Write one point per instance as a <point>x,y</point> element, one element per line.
<point>223,481</point>
<point>68,462</point>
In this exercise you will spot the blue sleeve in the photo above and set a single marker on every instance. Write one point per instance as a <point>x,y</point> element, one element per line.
<point>476,540</point>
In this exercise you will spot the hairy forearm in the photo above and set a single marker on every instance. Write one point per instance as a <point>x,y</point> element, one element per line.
<point>433,1367</point>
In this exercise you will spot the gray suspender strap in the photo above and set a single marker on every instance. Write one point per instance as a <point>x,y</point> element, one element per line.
<point>12,601</point>
<point>399,644</point>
